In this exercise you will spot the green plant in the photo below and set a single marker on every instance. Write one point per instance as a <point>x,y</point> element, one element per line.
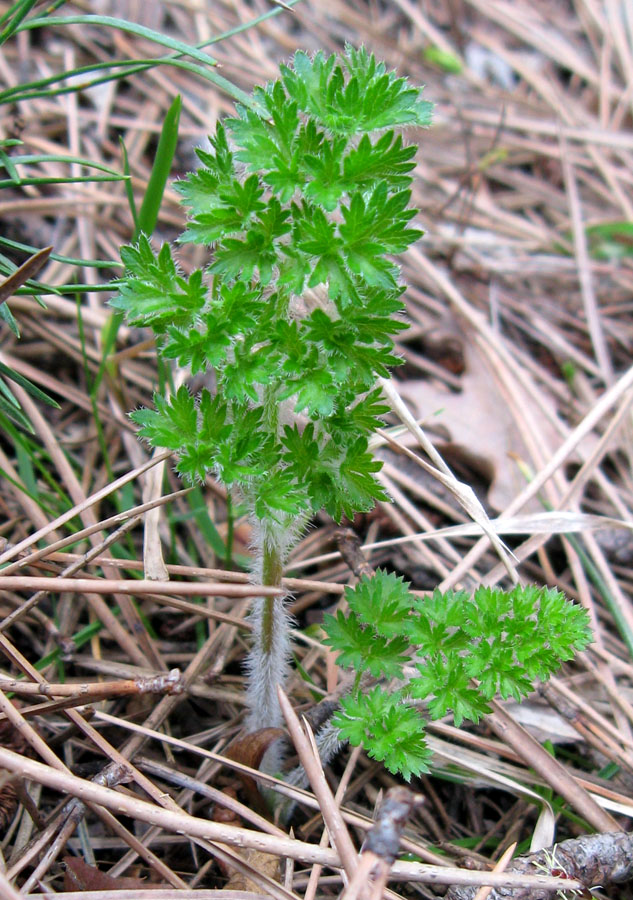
<point>303,197</point>
<point>457,650</point>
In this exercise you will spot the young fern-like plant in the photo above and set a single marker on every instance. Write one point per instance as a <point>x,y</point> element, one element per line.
<point>303,201</point>
<point>456,650</point>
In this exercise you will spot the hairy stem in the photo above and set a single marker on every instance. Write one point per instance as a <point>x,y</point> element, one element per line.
<point>268,660</point>
<point>267,664</point>
<point>271,576</point>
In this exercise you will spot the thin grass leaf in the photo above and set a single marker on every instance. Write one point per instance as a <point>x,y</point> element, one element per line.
<point>76,179</point>
<point>129,193</point>
<point>38,87</point>
<point>26,469</point>
<point>93,387</point>
<point>200,513</point>
<point>136,66</point>
<point>27,385</point>
<point>610,240</point>
<point>203,59</point>
<point>70,260</point>
<point>18,93</point>
<point>121,25</point>
<point>7,162</point>
<point>8,396</point>
<point>167,142</point>
<point>16,16</point>
<point>36,158</point>
<point>4,475</point>
<point>612,605</point>
<point>145,220</point>
<point>7,316</point>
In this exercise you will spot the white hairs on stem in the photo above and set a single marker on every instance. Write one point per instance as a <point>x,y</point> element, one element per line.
<point>267,670</point>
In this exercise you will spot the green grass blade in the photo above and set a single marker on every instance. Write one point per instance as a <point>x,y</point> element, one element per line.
<point>34,158</point>
<point>7,316</point>
<point>7,162</point>
<point>17,94</point>
<point>610,240</point>
<point>122,25</point>
<point>205,62</point>
<point>26,470</point>
<point>38,87</point>
<point>28,386</point>
<point>13,413</point>
<point>16,16</point>
<point>132,67</point>
<point>129,192</point>
<point>71,260</point>
<point>610,601</point>
<point>148,213</point>
<point>76,179</point>
<point>152,200</point>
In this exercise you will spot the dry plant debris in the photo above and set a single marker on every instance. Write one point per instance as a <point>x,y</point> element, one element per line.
<point>526,273</point>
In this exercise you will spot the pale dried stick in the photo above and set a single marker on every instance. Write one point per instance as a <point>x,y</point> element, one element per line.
<point>178,821</point>
<point>40,746</point>
<point>168,682</point>
<point>31,508</point>
<point>220,798</point>
<point>611,396</point>
<point>142,647</point>
<point>42,532</point>
<point>114,585</point>
<point>461,491</point>
<point>142,733</point>
<point>310,853</point>
<point>297,795</point>
<point>582,717</point>
<point>74,813</point>
<point>605,675</point>
<point>575,486</point>
<point>315,873</point>
<point>69,570</point>
<point>500,866</point>
<point>585,275</point>
<point>553,771</point>
<point>416,550</point>
<point>309,757</point>
<point>45,552</point>
<point>118,762</point>
<point>154,567</point>
<point>9,892</point>
<point>382,843</point>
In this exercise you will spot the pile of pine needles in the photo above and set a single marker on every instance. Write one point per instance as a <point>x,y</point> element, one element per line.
<point>517,363</point>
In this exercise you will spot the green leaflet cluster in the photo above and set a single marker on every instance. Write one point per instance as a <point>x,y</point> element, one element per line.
<point>302,204</point>
<point>460,652</point>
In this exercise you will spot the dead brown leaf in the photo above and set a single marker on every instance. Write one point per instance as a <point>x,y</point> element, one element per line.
<point>249,750</point>
<point>481,430</point>
<point>28,269</point>
<point>79,876</point>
